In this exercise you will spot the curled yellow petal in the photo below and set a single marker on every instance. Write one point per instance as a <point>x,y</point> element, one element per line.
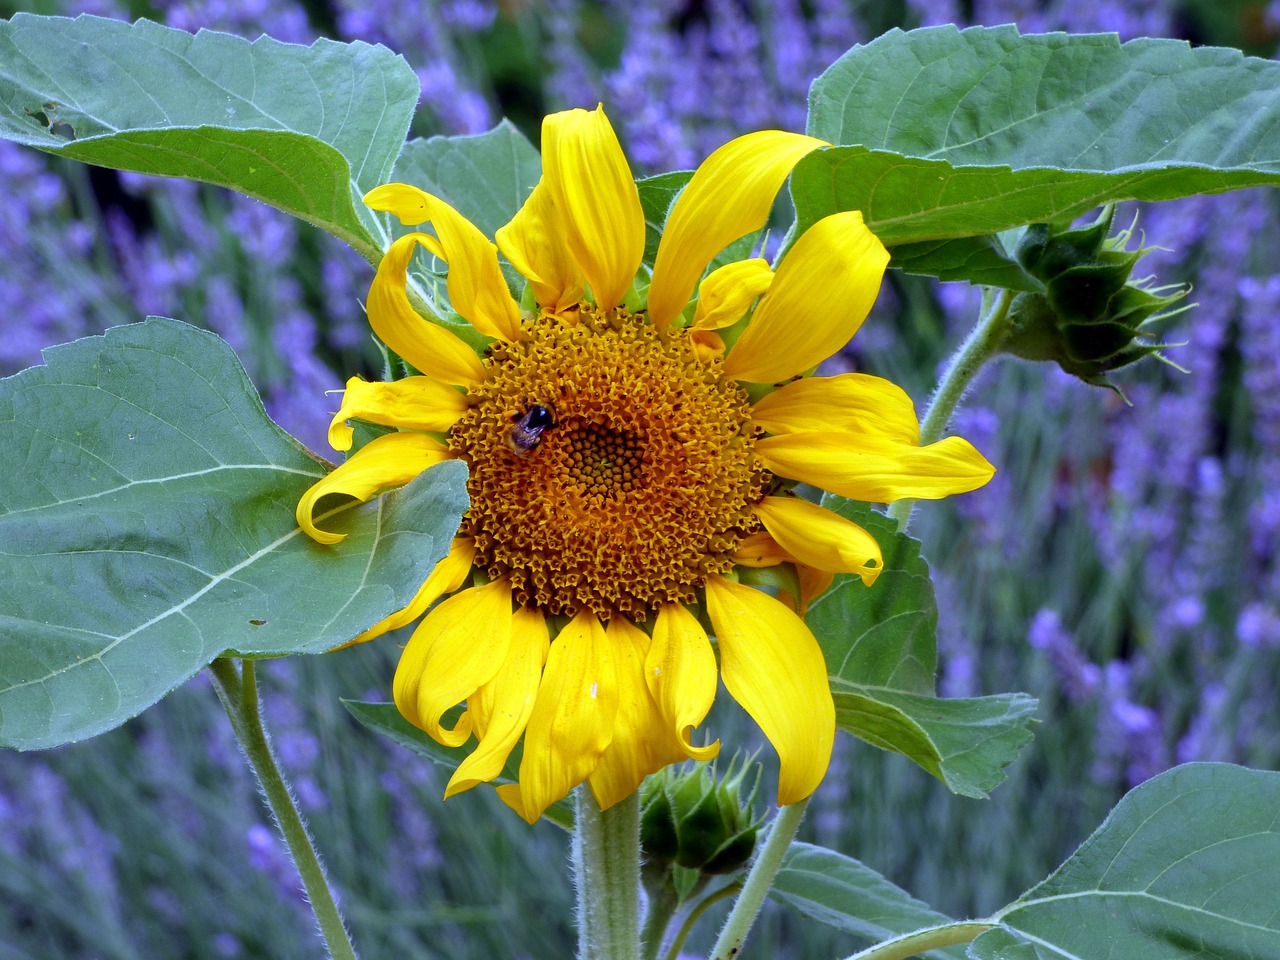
<point>729,195</point>
<point>642,743</point>
<point>772,665</point>
<point>822,292</point>
<point>534,243</point>
<point>681,672</point>
<point>819,538</point>
<point>477,289</point>
<point>457,648</point>
<point>445,577</point>
<point>707,345</point>
<point>572,722</point>
<point>850,402</point>
<point>726,293</point>
<point>429,347</point>
<point>512,694</point>
<point>876,469</point>
<point>594,195</point>
<point>415,403</point>
<point>387,461</point>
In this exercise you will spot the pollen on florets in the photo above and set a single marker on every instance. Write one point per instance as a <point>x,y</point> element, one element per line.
<point>640,489</point>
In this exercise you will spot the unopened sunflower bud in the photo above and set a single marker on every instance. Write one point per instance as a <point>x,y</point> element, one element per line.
<point>1092,317</point>
<point>690,820</point>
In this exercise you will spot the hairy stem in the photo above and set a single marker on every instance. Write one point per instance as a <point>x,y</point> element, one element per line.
<point>706,902</point>
<point>238,691</point>
<point>755,888</point>
<point>606,862</point>
<point>979,347</point>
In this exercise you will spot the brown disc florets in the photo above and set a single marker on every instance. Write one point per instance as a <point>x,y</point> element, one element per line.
<point>611,468</point>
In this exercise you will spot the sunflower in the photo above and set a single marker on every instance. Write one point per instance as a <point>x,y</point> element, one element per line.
<point>630,454</point>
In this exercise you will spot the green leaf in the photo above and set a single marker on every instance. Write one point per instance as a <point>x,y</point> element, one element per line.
<point>966,742</point>
<point>306,129</point>
<point>485,177</point>
<point>945,134</point>
<point>147,526</point>
<point>883,635</point>
<point>880,644</point>
<point>846,894</point>
<point>1186,867</point>
<point>385,719</point>
<point>657,194</point>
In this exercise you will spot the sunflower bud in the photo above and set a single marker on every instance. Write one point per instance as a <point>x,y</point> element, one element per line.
<point>1092,316</point>
<point>691,821</point>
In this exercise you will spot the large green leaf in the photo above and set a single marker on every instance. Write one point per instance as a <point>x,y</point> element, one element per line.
<point>1186,867</point>
<point>385,719</point>
<point>947,135</point>
<point>306,129</point>
<point>880,644</point>
<point>847,894</point>
<point>147,527</point>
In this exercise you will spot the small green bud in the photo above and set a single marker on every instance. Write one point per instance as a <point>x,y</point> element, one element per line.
<point>1092,316</point>
<point>690,820</point>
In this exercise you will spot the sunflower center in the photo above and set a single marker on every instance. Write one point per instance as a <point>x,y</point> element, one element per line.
<point>611,468</point>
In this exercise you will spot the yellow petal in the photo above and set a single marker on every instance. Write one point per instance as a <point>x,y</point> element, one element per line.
<point>387,461</point>
<point>852,402</point>
<point>726,293</point>
<point>708,346</point>
<point>759,550</point>
<point>445,577</point>
<point>729,195</point>
<point>642,743</point>
<point>876,469</point>
<point>477,289</point>
<point>415,403</point>
<point>820,538</point>
<point>534,243</point>
<point>429,347</point>
<point>513,691</point>
<point>572,722</point>
<point>595,196</point>
<point>772,665</point>
<point>822,292</point>
<point>457,648</point>
<point>681,673</point>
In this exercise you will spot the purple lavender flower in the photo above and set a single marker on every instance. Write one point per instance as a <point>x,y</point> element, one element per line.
<point>1079,677</point>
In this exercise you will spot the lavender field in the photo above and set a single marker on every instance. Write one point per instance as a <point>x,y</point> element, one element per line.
<point>1133,585</point>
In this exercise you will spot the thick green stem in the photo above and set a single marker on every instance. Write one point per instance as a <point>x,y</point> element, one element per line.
<point>238,691</point>
<point>606,862</point>
<point>979,347</point>
<point>912,944</point>
<point>764,868</point>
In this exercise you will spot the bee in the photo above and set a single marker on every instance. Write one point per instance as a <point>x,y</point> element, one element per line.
<point>526,434</point>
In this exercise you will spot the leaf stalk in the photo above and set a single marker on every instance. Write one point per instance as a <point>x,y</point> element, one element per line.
<point>238,691</point>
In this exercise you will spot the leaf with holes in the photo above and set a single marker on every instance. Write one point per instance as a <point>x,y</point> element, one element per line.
<point>147,527</point>
<point>306,129</point>
<point>947,136</point>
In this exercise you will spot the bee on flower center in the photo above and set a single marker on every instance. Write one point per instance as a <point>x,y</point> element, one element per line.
<point>526,434</point>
